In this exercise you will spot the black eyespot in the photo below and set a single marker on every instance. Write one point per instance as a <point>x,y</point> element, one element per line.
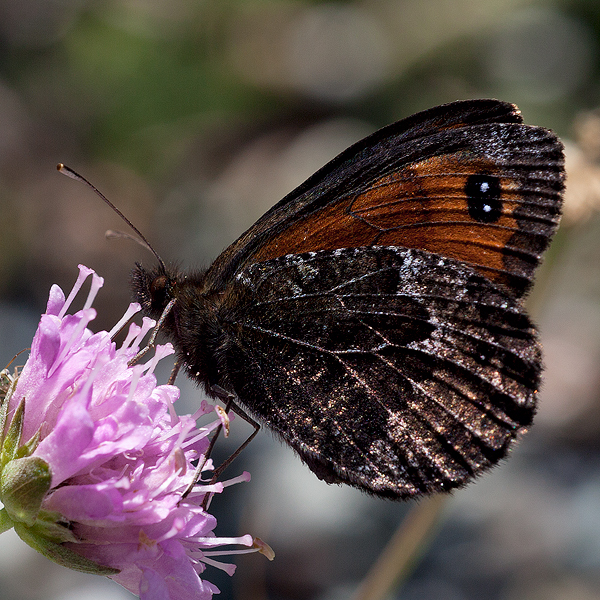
<point>484,198</point>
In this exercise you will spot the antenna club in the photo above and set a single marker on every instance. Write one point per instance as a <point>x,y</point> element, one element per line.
<point>64,170</point>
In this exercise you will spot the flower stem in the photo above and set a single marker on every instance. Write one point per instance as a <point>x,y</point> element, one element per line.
<point>403,550</point>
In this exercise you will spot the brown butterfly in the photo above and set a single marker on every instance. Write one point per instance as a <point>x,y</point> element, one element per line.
<point>373,318</point>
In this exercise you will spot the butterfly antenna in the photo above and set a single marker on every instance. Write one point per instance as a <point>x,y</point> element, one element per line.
<point>122,235</point>
<point>77,177</point>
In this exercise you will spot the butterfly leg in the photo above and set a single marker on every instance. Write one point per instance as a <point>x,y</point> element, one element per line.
<point>217,472</point>
<point>229,398</point>
<point>174,373</point>
<point>238,411</point>
<point>204,459</point>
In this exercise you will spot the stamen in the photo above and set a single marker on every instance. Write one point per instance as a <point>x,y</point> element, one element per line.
<point>245,476</point>
<point>209,488</point>
<point>228,552</point>
<point>243,540</point>
<point>228,568</point>
<point>97,283</point>
<point>134,330</point>
<point>160,352</point>
<point>224,418</point>
<point>180,461</point>
<point>132,309</point>
<point>202,433</point>
<point>84,273</point>
<point>135,377</point>
<point>147,325</point>
<point>204,409</point>
<point>263,548</point>
<point>102,360</point>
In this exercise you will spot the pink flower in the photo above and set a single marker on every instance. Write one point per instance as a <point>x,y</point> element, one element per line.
<point>95,461</point>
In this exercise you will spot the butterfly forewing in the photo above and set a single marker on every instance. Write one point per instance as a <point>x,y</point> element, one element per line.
<point>386,368</point>
<point>485,190</point>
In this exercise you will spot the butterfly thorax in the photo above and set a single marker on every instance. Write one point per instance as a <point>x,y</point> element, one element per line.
<point>192,325</point>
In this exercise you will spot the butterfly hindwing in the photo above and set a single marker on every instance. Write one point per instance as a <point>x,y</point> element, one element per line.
<point>391,369</point>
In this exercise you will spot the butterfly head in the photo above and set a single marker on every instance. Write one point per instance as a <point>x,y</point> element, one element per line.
<point>154,288</point>
<point>190,322</point>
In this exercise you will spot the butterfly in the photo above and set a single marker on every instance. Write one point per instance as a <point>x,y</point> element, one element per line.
<point>373,318</point>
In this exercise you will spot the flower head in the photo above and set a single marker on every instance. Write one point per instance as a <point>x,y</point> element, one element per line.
<point>94,461</point>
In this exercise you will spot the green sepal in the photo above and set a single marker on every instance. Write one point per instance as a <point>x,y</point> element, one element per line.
<point>56,552</point>
<point>8,383</point>
<point>54,527</point>
<point>6,522</point>
<point>24,483</point>
<point>3,414</point>
<point>28,448</point>
<point>5,381</point>
<point>12,439</point>
<point>7,387</point>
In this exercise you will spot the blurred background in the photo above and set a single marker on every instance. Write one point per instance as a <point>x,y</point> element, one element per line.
<point>194,117</point>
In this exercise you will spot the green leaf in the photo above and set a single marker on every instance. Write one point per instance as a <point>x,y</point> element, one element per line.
<point>23,485</point>
<point>34,537</point>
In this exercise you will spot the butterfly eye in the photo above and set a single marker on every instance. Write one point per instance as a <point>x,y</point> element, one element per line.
<point>160,289</point>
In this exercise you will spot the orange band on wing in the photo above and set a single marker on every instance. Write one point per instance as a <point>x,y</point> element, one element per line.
<point>424,206</point>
